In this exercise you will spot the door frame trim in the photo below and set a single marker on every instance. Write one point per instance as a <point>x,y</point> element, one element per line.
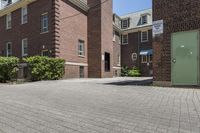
<point>198,62</point>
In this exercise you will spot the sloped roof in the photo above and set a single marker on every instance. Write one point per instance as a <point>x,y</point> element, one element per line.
<point>135,18</point>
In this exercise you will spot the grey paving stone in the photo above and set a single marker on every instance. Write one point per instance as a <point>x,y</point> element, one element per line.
<point>98,106</point>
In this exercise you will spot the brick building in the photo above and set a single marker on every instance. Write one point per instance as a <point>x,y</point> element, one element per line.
<point>135,30</point>
<point>79,31</point>
<point>176,49</point>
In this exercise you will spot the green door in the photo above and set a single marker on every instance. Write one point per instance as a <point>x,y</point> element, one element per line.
<point>185,64</point>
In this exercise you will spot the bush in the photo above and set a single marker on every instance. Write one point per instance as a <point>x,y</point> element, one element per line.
<point>130,72</point>
<point>124,71</point>
<point>8,68</point>
<point>134,72</point>
<point>45,68</point>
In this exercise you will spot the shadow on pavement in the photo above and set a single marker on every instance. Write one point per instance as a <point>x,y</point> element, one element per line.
<point>146,82</point>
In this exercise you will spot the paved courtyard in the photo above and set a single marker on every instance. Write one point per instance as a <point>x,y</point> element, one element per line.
<point>97,106</point>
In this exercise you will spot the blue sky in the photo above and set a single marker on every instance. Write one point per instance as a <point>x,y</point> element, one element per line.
<point>122,7</point>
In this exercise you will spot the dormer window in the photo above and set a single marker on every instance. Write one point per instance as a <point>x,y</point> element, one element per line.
<point>144,19</point>
<point>125,23</point>
<point>9,2</point>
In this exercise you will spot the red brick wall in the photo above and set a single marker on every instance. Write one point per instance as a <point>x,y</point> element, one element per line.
<point>100,33</point>
<point>116,54</point>
<point>135,46</point>
<point>31,30</point>
<point>178,15</point>
<point>73,26</point>
<point>107,34</point>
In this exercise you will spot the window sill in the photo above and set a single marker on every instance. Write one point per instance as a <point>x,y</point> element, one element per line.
<point>44,32</point>
<point>24,23</point>
<point>81,56</point>
<point>144,41</point>
<point>124,43</point>
<point>25,55</point>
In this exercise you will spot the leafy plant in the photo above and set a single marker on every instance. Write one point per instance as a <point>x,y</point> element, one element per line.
<point>124,71</point>
<point>134,72</point>
<point>45,68</point>
<point>8,68</point>
<point>130,72</point>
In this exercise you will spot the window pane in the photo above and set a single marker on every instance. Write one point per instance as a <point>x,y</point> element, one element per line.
<point>144,36</point>
<point>44,23</point>
<point>81,49</point>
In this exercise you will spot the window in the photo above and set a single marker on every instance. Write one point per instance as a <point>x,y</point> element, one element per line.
<point>9,2</point>
<point>81,71</point>
<point>44,23</point>
<point>119,60</point>
<point>144,19</point>
<point>150,58</point>
<point>144,36</point>
<point>24,15</point>
<point>125,23</point>
<point>107,62</point>
<point>124,39</point>
<point>144,58</point>
<point>8,21</point>
<point>81,48</point>
<point>114,36</point>
<point>24,47</point>
<point>9,49</point>
<point>45,53</point>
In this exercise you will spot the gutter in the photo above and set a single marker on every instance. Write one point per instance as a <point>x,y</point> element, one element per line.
<point>14,6</point>
<point>80,4</point>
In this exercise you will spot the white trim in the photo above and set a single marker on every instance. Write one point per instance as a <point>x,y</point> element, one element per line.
<point>44,18</point>
<point>123,39</point>
<point>117,67</point>
<point>24,12</point>
<point>142,36</point>
<point>122,23</point>
<point>8,20</point>
<point>7,54</point>
<point>23,40</point>
<point>142,28</point>
<point>76,64</point>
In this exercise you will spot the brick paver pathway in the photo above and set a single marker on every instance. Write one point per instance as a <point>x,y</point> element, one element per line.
<point>93,107</point>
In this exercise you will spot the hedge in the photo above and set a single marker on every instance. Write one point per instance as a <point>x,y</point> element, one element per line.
<point>8,68</point>
<point>130,72</point>
<point>45,68</point>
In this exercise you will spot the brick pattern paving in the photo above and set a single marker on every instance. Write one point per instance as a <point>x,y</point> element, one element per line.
<point>91,107</point>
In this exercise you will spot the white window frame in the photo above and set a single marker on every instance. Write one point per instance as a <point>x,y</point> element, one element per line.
<point>142,39</point>
<point>44,23</point>
<point>8,53</point>
<point>125,25</point>
<point>142,58</point>
<point>43,51</point>
<point>24,42</point>
<point>9,21</point>
<point>142,19</point>
<point>119,60</point>
<point>82,44</point>
<point>24,15</point>
<point>123,42</point>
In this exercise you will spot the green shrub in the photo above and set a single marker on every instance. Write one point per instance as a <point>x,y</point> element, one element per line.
<point>124,71</point>
<point>8,68</point>
<point>134,72</point>
<point>45,68</point>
